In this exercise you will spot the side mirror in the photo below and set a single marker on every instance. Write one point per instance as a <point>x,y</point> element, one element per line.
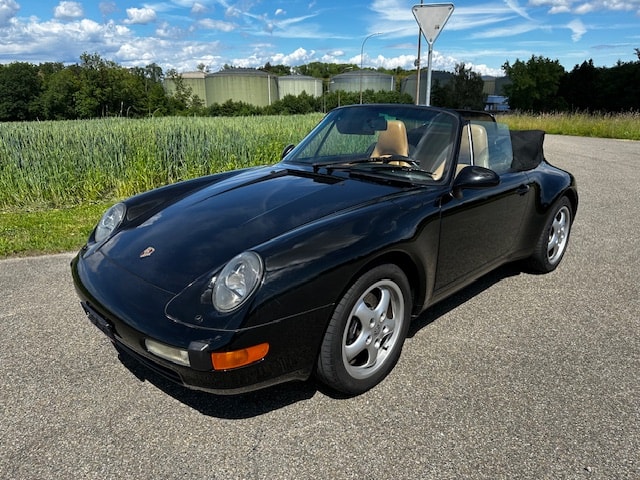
<point>286,150</point>
<point>474,177</point>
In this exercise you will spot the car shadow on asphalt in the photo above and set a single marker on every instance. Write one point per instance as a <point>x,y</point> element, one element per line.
<point>443,307</point>
<point>244,405</point>
<point>257,403</point>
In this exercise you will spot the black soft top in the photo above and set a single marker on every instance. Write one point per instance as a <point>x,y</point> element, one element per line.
<point>527,149</point>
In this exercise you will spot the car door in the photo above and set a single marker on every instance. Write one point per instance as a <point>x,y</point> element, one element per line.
<point>480,228</point>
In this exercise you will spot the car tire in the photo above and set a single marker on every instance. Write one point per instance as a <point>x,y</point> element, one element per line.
<point>366,332</point>
<point>554,239</point>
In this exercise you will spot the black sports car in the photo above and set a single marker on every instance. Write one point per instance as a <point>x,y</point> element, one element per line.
<point>316,265</point>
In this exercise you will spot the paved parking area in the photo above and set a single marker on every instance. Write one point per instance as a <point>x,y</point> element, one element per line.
<point>518,376</point>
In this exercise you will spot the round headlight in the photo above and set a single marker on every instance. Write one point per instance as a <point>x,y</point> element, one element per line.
<point>237,281</point>
<point>111,220</point>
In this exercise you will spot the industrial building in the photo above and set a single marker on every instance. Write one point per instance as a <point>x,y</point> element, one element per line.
<point>296,84</point>
<point>362,80</point>
<point>254,87</point>
<point>239,84</point>
<point>259,88</point>
<point>409,84</point>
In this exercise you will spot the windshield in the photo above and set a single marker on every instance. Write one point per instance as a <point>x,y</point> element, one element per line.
<point>403,141</point>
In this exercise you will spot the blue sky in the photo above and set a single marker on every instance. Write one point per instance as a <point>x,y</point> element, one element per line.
<point>181,34</point>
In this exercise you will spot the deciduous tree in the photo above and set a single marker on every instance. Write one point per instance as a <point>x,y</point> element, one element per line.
<point>20,87</point>
<point>535,84</point>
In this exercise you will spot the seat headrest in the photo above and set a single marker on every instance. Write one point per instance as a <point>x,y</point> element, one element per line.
<point>393,140</point>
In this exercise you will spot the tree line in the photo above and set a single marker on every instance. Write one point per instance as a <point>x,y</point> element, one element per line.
<point>96,87</point>
<point>543,85</point>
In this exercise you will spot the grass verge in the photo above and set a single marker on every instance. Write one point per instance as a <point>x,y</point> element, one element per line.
<point>624,126</point>
<point>24,233</point>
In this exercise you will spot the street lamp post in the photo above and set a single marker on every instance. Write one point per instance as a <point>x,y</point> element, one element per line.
<point>362,58</point>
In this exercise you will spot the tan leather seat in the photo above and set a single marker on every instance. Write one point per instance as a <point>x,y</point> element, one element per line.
<point>433,150</point>
<point>480,144</point>
<point>392,141</point>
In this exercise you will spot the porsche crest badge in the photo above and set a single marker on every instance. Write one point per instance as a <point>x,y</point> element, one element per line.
<point>147,252</point>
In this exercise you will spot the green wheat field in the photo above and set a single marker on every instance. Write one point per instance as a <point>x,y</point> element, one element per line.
<point>56,178</point>
<point>68,163</point>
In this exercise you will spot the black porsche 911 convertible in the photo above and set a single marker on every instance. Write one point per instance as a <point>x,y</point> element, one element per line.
<point>317,264</point>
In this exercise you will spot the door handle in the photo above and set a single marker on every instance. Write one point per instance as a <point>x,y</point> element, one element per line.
<point>522,189</point>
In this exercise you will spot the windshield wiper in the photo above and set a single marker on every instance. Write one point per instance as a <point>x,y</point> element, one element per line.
<point>386,179</point>
<point>381,172</point>
<point>386,160</point>
<point>342,163</point>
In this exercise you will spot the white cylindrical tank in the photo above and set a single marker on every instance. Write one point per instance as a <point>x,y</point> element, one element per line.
<point>242,85</point>
<point>296,84</point>
<point>362,80</point>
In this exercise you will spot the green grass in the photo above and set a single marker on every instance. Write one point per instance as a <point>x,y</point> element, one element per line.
<point>47,231</point>
<point>69,163</point>
<point>624,126</point>
<point>56,178</point>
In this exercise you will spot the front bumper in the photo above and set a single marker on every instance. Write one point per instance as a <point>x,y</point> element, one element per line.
<point>132,311</point>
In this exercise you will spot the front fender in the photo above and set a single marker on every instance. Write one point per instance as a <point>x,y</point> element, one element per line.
<point>313,266</point>
<point>310,267</point>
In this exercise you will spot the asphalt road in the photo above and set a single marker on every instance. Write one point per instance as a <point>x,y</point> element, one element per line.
<point>518,376</point>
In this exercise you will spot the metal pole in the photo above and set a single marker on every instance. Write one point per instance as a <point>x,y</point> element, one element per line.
<point>418,62</point>
<point>362,59</point>
<point>431,19</point>
<point>428,101</point>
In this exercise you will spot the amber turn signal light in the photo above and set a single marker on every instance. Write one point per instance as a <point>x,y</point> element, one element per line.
<point>239,358</point>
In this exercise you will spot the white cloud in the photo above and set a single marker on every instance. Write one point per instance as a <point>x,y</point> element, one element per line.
<point>577,28</point>
<point>183,56</point>
<point>407,61</point>
<point>392,10</point>
<point>559,9</point>
<point>556,6</point>
<point>199,9</point>
<point>211,24</point>
<point>582,7</point>
<point>8,10</point>
<point>298,57</point>
<point>486,70</point>
<point>513,5</point>
<point>140,16</point>
<point>68,11</point>
<point>507,31</point>
<point>330,57</point>
<point>57,41</point>
<point>166,30</point>
<point>403,61</point>
<point>233,12</point>
<point>107,8</point>
<point>184,30</point>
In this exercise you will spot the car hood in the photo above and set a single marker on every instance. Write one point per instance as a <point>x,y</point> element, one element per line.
<point>202,231</point>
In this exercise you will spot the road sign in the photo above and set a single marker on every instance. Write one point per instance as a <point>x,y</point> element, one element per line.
<point>431,19</point>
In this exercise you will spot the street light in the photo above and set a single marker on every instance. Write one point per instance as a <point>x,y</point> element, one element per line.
<point>362,58</point>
